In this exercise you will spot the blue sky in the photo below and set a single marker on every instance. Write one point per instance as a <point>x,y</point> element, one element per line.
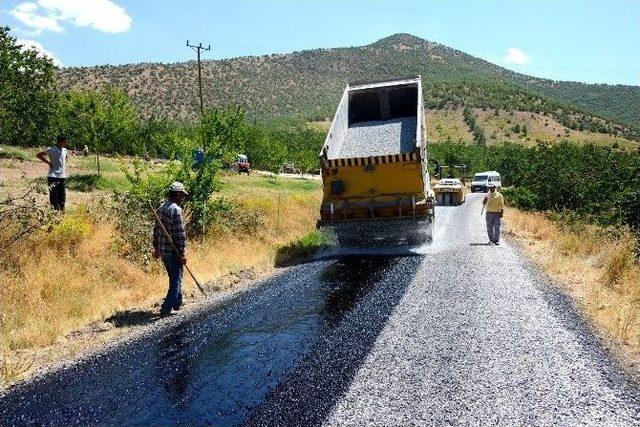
<point>583,40</point>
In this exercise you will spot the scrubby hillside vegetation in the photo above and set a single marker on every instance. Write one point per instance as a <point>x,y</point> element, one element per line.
<point>308,84</point>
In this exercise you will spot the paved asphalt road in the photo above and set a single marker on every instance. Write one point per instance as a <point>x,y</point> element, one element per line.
<point>466,334</point>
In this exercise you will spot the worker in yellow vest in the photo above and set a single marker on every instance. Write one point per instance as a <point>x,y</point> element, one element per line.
<point>494,204</point>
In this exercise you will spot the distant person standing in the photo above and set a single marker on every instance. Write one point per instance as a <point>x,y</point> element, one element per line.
<point>198,157</point>
<point>85,150</point>
<point>494,204</point>
<point>56,158</point>
<point>174,259</point>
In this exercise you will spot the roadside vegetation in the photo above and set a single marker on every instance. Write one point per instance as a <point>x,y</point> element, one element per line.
<point>596,184</point>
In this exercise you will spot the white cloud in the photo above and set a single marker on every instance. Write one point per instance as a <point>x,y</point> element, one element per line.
<point>516,56</point>
<point>26,13</point>
<point>34,45</point>
<point>103,15</point>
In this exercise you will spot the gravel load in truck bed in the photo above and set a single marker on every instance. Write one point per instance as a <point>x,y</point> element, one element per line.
<point>379,137</point>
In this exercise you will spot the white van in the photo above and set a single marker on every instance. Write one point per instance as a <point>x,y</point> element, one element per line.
<point>482,180</point>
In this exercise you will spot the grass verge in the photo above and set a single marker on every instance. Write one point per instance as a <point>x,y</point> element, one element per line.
<point>301,249</point>
<point>13,153</point>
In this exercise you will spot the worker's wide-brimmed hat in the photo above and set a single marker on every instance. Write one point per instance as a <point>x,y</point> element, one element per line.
<point>177,187</point>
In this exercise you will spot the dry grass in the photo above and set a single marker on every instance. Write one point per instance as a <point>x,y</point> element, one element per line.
<point>540,128</point>
<point>65,278</point>
<point>62,279</point>
<point>596,266</point>
<point>447,125</point>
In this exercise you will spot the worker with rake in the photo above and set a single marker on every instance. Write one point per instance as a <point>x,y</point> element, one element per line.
<point>169,243</point>
<point>494,204</point>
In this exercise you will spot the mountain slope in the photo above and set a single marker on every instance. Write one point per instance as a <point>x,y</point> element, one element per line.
<point>309,84</point>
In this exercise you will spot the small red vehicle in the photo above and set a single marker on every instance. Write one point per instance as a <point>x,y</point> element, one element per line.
<point>242,164</point>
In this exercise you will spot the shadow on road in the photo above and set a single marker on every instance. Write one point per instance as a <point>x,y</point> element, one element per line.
<point>480,244</point>
<point>132,318</point>
<point>308,395</point>
<point>311,326</point>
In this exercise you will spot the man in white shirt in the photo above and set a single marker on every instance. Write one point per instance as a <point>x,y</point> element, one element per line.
<point>56,158</point>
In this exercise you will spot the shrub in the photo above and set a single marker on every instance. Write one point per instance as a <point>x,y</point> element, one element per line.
<point>72,228</point>
<point>628,208</point>
<point>521,197</point>
<point>21,216</point>
<point>84,183</point>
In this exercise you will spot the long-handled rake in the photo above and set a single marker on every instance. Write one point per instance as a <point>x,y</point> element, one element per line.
<point>173,245</point>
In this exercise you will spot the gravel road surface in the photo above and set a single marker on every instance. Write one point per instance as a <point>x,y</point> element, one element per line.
<point>375,138</point>
<point>465,334</point>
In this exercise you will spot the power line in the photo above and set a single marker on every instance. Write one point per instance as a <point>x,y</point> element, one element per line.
<point>198,49</point>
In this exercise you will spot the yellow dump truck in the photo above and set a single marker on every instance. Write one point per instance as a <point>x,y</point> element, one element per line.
<point>374,165</point>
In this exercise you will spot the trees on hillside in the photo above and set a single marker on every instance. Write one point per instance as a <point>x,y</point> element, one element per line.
<point>476,130</point>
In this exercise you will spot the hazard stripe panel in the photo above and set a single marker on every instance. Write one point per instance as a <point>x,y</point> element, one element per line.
<point>362,161</point>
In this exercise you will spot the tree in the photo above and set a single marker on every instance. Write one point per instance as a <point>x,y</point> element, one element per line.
<point>224,132</point>
<point>27,94</point>
<point>104,120</point>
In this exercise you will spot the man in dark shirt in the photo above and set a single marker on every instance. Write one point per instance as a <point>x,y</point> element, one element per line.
<point>174,259</point>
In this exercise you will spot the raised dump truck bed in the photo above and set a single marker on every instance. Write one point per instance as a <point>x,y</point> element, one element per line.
<point>374,157</point>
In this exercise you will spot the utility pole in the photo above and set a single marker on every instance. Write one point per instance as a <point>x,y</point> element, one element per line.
<point>204,142</point>
<point>198,48</point>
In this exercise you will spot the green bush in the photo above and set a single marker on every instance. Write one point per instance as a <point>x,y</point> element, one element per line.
<point>301,249</point>
<point>628,208</point>
<point>520,197</point>
<point>73,227</point>
<point>85,183</point>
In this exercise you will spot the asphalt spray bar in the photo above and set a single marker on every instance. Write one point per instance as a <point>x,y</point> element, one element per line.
<point>173,245</point>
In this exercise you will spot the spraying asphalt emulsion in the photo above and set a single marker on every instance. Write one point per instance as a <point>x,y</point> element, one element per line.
<point>464,334</point>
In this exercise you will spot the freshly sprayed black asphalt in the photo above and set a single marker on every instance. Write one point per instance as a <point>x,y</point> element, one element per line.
<point>464,334</point>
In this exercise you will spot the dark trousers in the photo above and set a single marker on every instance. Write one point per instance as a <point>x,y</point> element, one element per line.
<point>174,267</point>
<point>493,226</point>
<point>57,193</point>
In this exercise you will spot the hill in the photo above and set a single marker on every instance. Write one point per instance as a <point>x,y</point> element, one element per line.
<point>309,84</point>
